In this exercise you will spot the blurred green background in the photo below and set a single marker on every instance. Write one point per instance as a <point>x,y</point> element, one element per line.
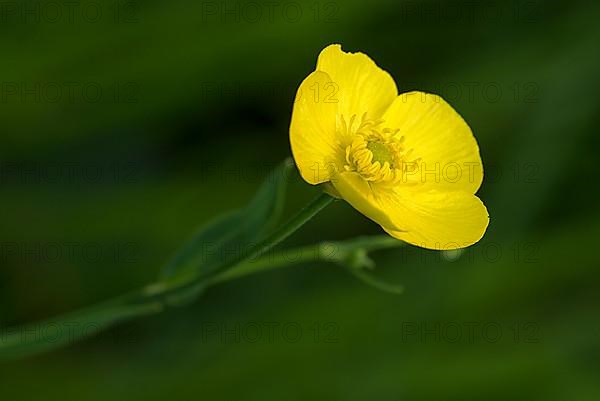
<point>125,125</point>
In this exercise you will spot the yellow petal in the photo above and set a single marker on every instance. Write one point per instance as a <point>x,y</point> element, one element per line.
<point>313,131</point>
<point>438,135</point>
<point>436,220</point>
<point>361,86</point>
<point>358,193</point>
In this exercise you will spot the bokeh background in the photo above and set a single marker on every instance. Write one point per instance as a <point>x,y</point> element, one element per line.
<point>125,125</point>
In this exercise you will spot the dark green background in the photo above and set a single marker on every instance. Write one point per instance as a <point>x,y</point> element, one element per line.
<point>168,114</point>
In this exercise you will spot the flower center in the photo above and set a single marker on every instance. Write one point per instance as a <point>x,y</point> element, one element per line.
<point>381,153</point>
<point>376,153</point>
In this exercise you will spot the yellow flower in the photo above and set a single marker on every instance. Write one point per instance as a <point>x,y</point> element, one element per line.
<point>409,162</point>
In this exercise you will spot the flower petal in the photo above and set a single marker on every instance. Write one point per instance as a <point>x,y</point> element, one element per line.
<point>361,86</point>
<point>358,193</point>
<point>436,220</point>
<point>441,138</point>
<point>313,131</point>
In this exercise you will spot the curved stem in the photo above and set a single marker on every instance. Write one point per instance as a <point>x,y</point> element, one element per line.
<point>147,300</point>
<point>337,252</point>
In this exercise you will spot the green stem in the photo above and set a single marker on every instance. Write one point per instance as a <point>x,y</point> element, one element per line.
<point>148,300</point>
<point>337,252</point>
<point>152,299</point>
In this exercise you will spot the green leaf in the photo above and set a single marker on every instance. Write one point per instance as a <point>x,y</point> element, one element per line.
<point>216,232</point>
<point>225,237</point>
<point>182,278</point>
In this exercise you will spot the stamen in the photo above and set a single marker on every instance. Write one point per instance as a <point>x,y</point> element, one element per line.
<point>375,152</point>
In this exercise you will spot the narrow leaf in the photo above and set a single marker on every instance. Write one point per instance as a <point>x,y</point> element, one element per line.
<point>224,238</point>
